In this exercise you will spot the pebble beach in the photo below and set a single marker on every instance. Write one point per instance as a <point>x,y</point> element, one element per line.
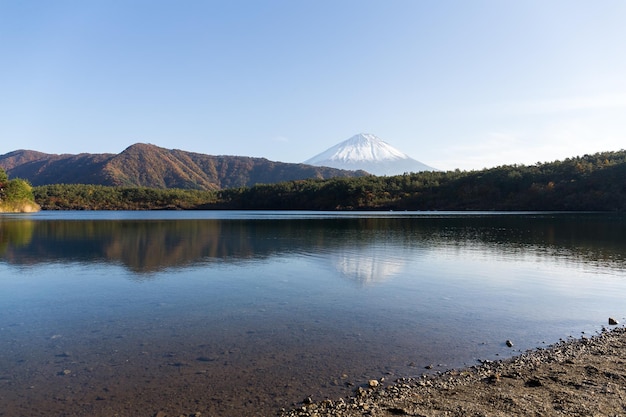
<point>575,377</point>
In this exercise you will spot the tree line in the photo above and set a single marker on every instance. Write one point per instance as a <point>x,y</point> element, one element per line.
<point>101,197</point>
<point>590,182</point>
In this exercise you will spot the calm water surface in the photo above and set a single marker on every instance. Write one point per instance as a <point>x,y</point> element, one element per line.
<point>241,313</point>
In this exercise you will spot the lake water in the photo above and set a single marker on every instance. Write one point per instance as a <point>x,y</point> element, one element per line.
<point>242,313</point>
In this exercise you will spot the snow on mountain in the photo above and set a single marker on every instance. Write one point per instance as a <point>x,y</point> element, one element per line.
<point>369,153</point>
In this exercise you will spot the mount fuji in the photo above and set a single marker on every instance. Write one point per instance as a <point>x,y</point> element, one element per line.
<point>369,153</point>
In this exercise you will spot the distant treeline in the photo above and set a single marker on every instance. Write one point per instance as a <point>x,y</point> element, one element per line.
<point>590,182</point>
<point>100,197</point>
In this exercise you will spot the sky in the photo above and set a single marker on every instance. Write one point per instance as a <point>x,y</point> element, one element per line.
<point>454,84</point>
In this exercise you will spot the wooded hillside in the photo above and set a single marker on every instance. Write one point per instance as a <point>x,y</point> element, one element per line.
<point>591,182</point>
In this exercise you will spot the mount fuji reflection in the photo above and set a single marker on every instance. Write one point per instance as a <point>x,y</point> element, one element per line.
<point>366,250</point>
<point>366,265</point>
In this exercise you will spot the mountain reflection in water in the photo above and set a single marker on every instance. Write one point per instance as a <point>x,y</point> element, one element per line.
<point>360,247</point>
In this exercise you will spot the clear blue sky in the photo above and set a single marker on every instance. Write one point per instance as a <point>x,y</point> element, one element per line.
<point>454,84</point>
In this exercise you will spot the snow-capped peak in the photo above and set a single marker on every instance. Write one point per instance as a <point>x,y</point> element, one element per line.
<point>365,147</point>
<point>369,153</point>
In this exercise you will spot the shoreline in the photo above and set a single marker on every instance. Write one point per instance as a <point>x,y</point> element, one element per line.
<point>575,377</point>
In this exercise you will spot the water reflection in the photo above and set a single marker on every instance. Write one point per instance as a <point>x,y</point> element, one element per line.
<point>15,235</point>
<point>366,265</point>
<point>361,248</point>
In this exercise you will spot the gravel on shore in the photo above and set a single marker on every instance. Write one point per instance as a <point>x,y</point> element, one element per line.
<point>577,377</point>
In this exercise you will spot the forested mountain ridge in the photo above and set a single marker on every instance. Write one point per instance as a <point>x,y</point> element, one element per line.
<point>588,183</point>
<point>146,165</point>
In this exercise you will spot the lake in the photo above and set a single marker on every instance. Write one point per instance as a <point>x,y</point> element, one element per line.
<point>240,313</point>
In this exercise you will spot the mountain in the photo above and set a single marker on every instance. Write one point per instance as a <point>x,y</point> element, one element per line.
<point>368,153</point>
<point>147,165</point>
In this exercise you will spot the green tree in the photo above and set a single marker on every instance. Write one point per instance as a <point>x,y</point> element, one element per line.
<point>16,194</point>
<point>4,179</point>
<point>18,190</point>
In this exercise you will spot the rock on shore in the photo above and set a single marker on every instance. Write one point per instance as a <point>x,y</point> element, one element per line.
<point>578,377</point>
